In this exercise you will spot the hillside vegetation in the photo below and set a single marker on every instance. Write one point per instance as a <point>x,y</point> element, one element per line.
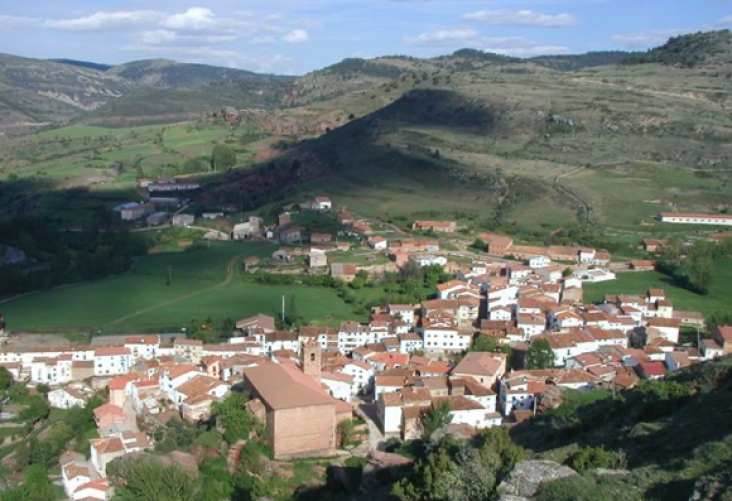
<point>522,146</point>
<point>675,435</point>
<point>36,93</point>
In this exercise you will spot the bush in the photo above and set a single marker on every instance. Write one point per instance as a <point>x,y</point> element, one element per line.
<point>589,458</point>
<point>584,488</point>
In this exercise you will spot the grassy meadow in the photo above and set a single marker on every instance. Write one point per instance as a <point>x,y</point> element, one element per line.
<point>205,283</point>
<point>719,298</point>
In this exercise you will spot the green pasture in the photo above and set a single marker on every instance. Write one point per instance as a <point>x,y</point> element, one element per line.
<point>719,298</point>
<point>142,301</point>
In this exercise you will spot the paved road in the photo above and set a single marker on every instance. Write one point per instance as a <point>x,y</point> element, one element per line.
<point>377,441</point>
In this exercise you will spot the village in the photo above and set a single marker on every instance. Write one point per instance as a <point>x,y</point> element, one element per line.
<point>496,343</point>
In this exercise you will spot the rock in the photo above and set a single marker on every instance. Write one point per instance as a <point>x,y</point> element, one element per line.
<point>508,497</point>
<point>528,476</point>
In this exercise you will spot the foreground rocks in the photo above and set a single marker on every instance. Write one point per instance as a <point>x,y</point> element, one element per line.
<point>528,476</point>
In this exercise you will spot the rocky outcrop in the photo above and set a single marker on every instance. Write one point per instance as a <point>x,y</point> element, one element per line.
<point>528,476</point>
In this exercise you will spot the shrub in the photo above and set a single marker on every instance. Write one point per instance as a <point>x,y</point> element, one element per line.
<point>589,458</point>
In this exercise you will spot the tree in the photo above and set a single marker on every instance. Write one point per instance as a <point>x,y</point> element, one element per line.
<point>222,157</point>
<point>485,343</point>
<point>6,379</point>
<point>497,448</point>
<point>43,453</point>
<point>227,328</point>
<point>424,482</point>
<point>435,418</point>
<point>719,318</point>
<point>146,480</point>
<point>411,269</point>
<point>37,486</point>
<point>540,355</point>
<point>37,409</point>
<point>698,271</point>
<point>232,414</point>
<point>473,480</point>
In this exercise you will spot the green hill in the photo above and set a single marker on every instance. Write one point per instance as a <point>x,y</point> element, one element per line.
<point>39,93</point>
<point>673,433</point>
<point>709,50</point>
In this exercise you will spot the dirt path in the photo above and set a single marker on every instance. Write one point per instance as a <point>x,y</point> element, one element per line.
<point>571,194</point>
<point>230,272</point>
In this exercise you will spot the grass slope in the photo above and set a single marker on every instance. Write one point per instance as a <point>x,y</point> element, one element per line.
<point>140,300</point>
<point>719,298</point>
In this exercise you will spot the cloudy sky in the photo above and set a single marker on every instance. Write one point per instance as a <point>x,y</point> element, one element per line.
<point>297,36</point>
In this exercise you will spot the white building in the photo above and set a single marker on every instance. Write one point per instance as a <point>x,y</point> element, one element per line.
<point>112,361</point>
<point>594,275</point>
<point>74,476</point>
<point>340,386</point>
<point>539,262</point>
<point>143,347</point>
<point>66,398</point>
<point>361,372</point>
<point>410,342</point>
<point>684,218</point>
<point>430,260</point>
<point>404,312</point>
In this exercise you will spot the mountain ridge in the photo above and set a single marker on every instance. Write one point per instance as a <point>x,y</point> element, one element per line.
<point>39,93</point>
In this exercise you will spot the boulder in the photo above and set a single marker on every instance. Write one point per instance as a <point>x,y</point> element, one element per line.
<point>528,476</point>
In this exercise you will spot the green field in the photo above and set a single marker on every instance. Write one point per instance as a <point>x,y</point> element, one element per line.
<point>719,298</point>
<point>140,300</point>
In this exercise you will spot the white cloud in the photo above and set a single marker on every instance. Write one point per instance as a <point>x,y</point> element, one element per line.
<point>521,18</point>
<point>105,20</point>
<point>725,20</point>
<point>156,37</point>
<point>296,36</point>
<point>645,39</point>
<point>443,38</point>
<point>278,63</point>
<point>195,18</point>
<point>520,47</point>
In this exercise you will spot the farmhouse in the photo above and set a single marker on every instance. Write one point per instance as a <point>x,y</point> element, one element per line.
<point>345,272</point>
<point>694,218</point>
<point>378,243</point>
<point>183,220</point>
<point>496,245</point>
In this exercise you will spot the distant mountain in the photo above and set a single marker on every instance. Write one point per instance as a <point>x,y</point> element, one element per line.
<point>165,74</point>
<point>711,49</point>
<point>36,93</point>
<point>83,64</point>
<point>578,62</point>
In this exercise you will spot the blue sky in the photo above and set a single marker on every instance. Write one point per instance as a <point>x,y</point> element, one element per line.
<point>297,36</point>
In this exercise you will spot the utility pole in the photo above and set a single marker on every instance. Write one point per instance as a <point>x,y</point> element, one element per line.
<point>283,309</point>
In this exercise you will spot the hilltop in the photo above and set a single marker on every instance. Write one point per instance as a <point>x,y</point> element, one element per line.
<point>527,146</point>
<point>38,93</point>
<point>711,50</point>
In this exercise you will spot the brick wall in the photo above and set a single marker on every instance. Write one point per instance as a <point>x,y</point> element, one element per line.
<point>302,431</point>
